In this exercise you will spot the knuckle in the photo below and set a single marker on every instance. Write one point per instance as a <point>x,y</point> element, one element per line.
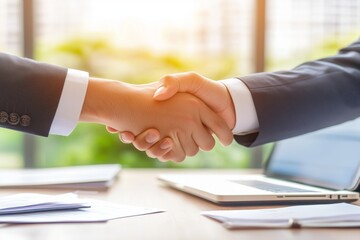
<point>167,79</point>
<point>140,145</point>
<point>210,144</point>
<point>225,136</point>
<point>168,157</point>
<point>175,157</point>
<point>179,159</point>
<point>149,154</point>
<point>229,139</point>
<point>157,152</point>
<point>193,74</point>
<point>192,152</point>
<point>219,123</point>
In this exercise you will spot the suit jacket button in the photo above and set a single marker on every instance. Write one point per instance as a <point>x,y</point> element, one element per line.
<point>3,117</point>
<point>25,120</point>
<point>14,119</point>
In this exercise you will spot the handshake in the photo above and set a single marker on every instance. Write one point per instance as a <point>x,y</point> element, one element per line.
<point>169,119</point>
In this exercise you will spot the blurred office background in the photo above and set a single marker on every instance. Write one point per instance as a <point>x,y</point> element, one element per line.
<point>138,41</point>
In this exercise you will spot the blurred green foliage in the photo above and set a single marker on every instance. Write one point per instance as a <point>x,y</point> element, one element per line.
<point>10,149</point>
<point>92,144</point>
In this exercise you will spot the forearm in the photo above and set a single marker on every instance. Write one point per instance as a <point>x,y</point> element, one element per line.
<point>29,91</point>
<point>119,105</point>
<point>312,96</point>
<point>105,102</point>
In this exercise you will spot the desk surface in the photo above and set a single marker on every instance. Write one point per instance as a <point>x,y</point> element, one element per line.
<point>182,220</point>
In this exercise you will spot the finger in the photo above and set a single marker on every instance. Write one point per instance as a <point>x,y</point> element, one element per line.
<point>217,125</point>
<point>173,156</point>
<point>126,137</point>
<point>169,86</point>
<point>188,145</point>
<point>204,139</point>
<point>177,153</point>
<point>146,139</point>
<point>111,130</point>
<point>190,82</point>
<point>161,148</point>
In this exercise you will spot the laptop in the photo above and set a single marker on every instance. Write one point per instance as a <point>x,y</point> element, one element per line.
<point>318,167</point>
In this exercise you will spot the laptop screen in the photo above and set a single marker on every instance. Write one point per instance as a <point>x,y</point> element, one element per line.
<point>328,158</point>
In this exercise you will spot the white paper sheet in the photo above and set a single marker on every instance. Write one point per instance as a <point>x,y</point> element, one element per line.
<point>77,177</point>
<point>325,215</point>
<point>31,202</point>
<point>100,211</point>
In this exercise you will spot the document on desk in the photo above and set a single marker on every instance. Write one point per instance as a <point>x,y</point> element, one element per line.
<point>65,208</point>
<point>76,177</point>
<point>325,215</point>
<point>31,202</point>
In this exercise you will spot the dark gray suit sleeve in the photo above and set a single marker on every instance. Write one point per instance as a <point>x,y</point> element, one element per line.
<point>312,96</point>
<point>29,94</point>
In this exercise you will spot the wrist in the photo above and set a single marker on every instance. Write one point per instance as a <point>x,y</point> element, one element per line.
<point>229,115</point>
<point>100,94</point>
<point>228,109</point>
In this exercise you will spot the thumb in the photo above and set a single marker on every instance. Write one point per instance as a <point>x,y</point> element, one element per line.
<point>169,86</point>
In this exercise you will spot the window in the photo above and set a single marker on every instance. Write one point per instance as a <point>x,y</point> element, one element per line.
<point>138,41</point>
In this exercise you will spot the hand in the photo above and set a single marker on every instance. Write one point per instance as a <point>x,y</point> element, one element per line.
<point>183,118</point>
<point>213,93</point>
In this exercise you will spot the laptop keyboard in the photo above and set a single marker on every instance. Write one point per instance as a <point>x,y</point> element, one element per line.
<point>269,186</point>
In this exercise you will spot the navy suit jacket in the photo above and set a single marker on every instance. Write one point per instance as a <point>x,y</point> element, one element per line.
<point>29,94</point>
<point>312,96</point>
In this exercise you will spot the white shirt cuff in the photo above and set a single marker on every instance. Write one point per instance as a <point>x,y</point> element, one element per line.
<point>246,117</point>
<point>71,102</point>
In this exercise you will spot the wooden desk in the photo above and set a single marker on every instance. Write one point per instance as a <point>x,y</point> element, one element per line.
<point>182,220</point>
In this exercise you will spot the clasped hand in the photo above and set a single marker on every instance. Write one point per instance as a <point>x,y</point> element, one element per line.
<point>182,122</point>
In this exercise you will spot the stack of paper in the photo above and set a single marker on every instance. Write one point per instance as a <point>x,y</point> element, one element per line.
<point>38,208</point>
<point>326,215</point>
<point>30,202</point>
<point>78,177</point>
